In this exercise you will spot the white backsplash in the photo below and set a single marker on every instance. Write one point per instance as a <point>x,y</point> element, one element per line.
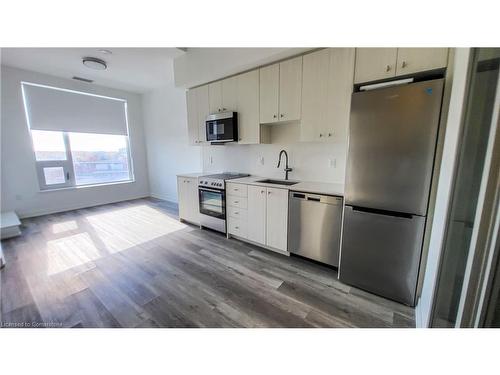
<point>322,162</point>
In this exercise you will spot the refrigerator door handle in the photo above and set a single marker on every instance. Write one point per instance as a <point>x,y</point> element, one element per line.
<point>382,212</point>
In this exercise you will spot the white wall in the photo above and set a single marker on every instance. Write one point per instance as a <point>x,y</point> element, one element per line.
<point>19,185</point>
<point>201,65</point>
<point>165,123</point>
<point>323,162</point>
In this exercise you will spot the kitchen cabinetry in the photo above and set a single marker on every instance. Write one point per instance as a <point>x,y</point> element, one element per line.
<point>187,191</point>
<point>248,108</point>
<point>412,60</point>
<point>277,218</point>
<point>257,214</point>
<point>269,93</point>
<point>327,86</point>
<point>197,110</point>
<point>262,218</point>
<point>281,91</point>
<point>378,63</point>
<point>222,95</point>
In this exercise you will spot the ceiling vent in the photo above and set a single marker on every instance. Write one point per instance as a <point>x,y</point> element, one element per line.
<point>83,79</point>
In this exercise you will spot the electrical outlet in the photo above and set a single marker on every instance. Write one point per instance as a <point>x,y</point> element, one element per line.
<point>332,162</point>
<point>261,160</point>
<point>211,159</point>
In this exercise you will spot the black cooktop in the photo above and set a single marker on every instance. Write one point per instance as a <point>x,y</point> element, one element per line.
<point>227,175</point>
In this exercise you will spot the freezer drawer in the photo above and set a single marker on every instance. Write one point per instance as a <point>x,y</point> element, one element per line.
<point>314,226</point>
<point>381,253</point>
<point>391,147</point>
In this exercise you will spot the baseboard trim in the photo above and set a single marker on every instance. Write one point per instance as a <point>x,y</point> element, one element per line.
<point>164,197</point>
<point>27,215</point>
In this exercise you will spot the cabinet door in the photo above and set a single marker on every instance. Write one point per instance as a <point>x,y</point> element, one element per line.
<point>215,97</point>
<point>203,111</point>
<point>340,86</point>
<point>230,94</point>
<point>192,114</point>
<point>290,92</point>
<point>314,95</point>
<point>187,191</point>
<point>277,218</point>
<point>375,63</point>
<point>269,93</point>
<point>412,60</point>
<point>256,214</point>
<point>248,107</point>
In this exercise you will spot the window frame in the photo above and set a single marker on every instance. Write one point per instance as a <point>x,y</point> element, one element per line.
<point>69,169</point>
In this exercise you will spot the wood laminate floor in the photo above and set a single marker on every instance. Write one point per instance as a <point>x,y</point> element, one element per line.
<point>133,264</point>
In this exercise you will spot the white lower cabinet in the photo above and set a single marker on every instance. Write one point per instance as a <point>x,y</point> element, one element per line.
<point>277,218</point>
<point>257,214</point>
<point>187,190</point>
<point>264,221</point>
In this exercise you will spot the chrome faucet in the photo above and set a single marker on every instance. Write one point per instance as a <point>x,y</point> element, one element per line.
<point>286,163</point>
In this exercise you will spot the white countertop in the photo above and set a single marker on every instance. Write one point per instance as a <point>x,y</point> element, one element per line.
<point>191,174</point>
<point>302,186</point>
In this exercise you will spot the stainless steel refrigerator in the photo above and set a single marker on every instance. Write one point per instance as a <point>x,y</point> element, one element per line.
<point>392,142</point>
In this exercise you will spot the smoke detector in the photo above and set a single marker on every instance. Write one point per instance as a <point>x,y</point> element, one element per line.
<point>94,63</point>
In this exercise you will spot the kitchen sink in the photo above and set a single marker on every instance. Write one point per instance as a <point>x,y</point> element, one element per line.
<point>278,182</point>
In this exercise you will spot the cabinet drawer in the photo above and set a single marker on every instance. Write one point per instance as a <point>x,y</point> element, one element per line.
<point>237,213</point>
<point>238,190</point>
<point>237,227</point>
<point>239,202</point>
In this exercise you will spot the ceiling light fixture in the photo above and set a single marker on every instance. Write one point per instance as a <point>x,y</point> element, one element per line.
<point>105,51</point>
<point>94,63</point>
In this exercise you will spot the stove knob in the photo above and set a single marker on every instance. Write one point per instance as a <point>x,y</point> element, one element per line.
<point>220,183</point>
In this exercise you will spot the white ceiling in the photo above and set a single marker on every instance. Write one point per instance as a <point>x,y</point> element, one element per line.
<point>131,69</point>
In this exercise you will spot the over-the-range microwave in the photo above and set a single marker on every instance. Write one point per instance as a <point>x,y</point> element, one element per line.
<point>222,127</point>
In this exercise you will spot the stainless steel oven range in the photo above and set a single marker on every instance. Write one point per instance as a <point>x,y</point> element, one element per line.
<point>212,194</point>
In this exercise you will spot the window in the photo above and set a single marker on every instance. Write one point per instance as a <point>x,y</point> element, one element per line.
<point>78,139</point>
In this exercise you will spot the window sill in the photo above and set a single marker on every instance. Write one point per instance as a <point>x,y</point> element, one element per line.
<point>87,186</point>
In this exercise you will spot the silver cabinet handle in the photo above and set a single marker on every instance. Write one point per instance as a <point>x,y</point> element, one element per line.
<point>236,201</point>
<point>236,227</point>
<point>282,115</point>
<point>320,135</point>
<point>329,134</point>
<point>224,109</point>
<point>262,191</point>
<point>236,189</point>
<point>274,116</point>
<point>388,68</point>
<point>404,64</point>
<point>268,193</point>
<point>236,213</point>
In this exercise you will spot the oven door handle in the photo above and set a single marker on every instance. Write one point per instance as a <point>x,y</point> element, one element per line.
<point>212,190</point>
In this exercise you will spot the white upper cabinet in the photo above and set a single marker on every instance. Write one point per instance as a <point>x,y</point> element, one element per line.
<point>375,63</point>
<point>215,97</point>
<point>290,93</point>
<point>248,107</point>
<point>327,86</point>
<point>197,109</point>
<point>378,63</point>
<point>277,218</point>
<point>412,60</point>
<point>230,94</point>
<point>269,93</point>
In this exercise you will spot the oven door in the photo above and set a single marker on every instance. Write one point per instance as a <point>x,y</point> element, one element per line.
<point>212,202</point>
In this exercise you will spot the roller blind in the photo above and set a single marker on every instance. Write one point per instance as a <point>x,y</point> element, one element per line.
<point>50,108</point>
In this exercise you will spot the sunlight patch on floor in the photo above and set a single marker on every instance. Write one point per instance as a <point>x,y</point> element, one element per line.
<point>64,226</point>
<point>71,251</point>
<point>124,228</point>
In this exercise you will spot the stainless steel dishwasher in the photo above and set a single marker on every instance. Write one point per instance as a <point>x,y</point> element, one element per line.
<point>314,226</point>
